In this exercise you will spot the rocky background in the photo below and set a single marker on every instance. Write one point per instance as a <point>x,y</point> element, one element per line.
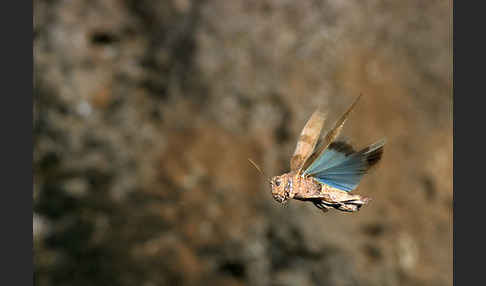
<point>145,113</point>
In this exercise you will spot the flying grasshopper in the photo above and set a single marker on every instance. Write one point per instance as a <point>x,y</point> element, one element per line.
<point>324,171</point>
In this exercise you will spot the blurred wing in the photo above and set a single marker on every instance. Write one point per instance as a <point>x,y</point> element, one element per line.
<point>307,140</point>
<point>342,168</point>
<point>330,136</point>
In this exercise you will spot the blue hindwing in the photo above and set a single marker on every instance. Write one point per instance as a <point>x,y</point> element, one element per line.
<point>340,167</point>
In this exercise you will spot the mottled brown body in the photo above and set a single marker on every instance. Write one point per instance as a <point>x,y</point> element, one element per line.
<point>293,186</point>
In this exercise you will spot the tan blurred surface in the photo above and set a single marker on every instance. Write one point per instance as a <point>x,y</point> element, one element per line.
<point>146,112</point>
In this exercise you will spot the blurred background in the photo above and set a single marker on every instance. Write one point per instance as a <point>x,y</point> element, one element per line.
<point>145,113</point>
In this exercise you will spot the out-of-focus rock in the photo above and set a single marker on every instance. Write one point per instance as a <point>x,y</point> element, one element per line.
<point>146,112</point>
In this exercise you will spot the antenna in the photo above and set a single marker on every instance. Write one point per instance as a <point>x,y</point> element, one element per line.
<point>258,168</point>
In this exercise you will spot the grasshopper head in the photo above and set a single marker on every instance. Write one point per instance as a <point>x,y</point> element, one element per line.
<point>281,188</point>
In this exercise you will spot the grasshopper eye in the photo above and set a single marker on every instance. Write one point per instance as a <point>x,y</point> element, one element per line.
<point>277,183</point>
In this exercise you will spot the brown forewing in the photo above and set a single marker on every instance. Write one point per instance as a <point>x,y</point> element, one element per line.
<point>307,140</point>
<point>330,136</point>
